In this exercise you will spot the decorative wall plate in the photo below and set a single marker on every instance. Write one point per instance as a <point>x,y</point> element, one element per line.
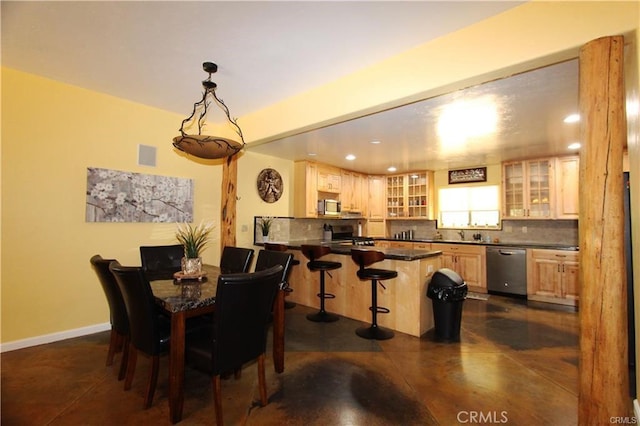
<point>270,185</point>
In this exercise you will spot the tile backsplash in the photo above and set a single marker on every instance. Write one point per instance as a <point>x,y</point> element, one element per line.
<point>513,231</point>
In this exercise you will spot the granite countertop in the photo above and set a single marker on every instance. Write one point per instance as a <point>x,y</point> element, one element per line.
<point>344,247</point>
<point>492,244</point>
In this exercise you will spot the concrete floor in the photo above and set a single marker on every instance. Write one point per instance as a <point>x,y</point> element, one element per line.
<point>515,364</point>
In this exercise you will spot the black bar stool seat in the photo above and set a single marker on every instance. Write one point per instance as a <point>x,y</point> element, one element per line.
<point>365,258</point>
<point>313,253</point>
<point>287,289</point>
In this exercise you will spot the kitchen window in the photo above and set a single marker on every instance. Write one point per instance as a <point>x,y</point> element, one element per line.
<point>469,207</point>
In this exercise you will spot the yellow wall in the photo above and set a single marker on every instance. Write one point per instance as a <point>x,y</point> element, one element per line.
<point>52,132</point>
<point>250,204</point>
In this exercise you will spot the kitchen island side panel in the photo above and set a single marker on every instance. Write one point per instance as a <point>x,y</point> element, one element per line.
<point>405,296</point>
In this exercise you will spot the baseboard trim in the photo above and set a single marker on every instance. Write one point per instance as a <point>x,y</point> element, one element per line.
<point>53,337</point>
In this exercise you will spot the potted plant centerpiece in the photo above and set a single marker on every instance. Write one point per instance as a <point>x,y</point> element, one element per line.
<point>194,240</point>
<point>265,226</point>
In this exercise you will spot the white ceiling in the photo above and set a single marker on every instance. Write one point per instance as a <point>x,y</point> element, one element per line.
<point>152,53</point>
<point>531,108</point>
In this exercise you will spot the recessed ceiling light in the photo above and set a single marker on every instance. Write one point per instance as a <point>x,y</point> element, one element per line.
<point>311,154</point>
<point>375,142</point>
<point>575,145</point>
<point>572,118</point>
<point>391,169</point>
<point>350,157</point>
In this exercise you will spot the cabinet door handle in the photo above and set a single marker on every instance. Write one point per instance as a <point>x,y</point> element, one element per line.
<point>558,267</point>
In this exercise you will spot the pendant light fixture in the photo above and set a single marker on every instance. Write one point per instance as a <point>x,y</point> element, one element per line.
<point>204,146</point>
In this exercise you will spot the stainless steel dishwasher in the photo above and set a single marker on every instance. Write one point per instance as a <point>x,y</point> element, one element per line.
<point>507,270</point>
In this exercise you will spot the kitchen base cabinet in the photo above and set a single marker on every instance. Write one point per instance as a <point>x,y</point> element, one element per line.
<point>468,261</point>
<point>405,296</point>
<point>552,276</point>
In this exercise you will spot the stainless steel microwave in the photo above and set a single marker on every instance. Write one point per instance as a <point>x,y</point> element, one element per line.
<point>328,207</point>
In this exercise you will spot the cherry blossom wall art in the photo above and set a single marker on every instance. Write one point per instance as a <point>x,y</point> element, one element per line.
<point>117,196</point>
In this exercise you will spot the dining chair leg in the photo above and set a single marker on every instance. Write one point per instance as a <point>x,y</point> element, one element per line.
<point>131,367</point>
<point>153,380</point>
<point>262,382</point>
<point>125,359</point>
<point>113,344</point>
<point>217,399</point>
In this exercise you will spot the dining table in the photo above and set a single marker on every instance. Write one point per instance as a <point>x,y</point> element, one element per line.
<point>187,298</point>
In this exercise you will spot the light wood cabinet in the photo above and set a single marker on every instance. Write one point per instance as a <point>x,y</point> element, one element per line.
<point>401,244</point>
<point>528,189</point>
<point>567,181</point>
<point>409,196</point>
<point>329,179</point>
<point>375,228</point>
<point>422,246</point>
<point>351,194</point>
<point>552,276</point>
<point>469,261</point>
<point>375,206</point>
<point>305,189</point>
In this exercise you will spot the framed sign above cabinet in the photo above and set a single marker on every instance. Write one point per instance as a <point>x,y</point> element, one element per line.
<point>477,174</point>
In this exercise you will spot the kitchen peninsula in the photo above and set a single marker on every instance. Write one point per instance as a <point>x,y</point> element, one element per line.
<point>405,296</point>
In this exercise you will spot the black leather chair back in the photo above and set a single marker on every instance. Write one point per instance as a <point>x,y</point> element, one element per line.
<point>314,252</point>
<point>117,308</point>
<point>365,257</point>
<point>161,262</point>
<point>243,309</point>
<point>235,260</point>
<point>144,321</point>
<point>267,259</point>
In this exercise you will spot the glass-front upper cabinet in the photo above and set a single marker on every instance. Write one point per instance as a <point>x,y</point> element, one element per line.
<point>409,196</point>
<point>527,189</point>
<point>395,196</point>
<point>417,194</point>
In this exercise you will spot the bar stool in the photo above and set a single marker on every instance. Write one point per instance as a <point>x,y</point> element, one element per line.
<point>365,258</point>
<point>287,289</point>
<point>313,253</point>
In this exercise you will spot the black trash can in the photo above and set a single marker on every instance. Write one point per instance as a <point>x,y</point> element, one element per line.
<point>447,291</point>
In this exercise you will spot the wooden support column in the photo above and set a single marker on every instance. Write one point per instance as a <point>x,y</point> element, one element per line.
<point>604,370</point>
<point>228,202</point>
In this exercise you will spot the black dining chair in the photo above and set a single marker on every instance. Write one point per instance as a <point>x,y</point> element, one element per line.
<point>267,259</point>
<point>287,287</point>
<point>235,260</point>
<point>119,340</point>
<point>149,331</point>
<point>161,262</point>
<point>238,332</point>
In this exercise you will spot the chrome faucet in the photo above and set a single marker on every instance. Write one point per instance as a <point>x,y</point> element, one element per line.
<point>461,232</point>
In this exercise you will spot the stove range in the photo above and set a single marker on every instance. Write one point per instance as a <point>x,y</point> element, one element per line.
<point>343,237</point>
<point>363,241</point>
